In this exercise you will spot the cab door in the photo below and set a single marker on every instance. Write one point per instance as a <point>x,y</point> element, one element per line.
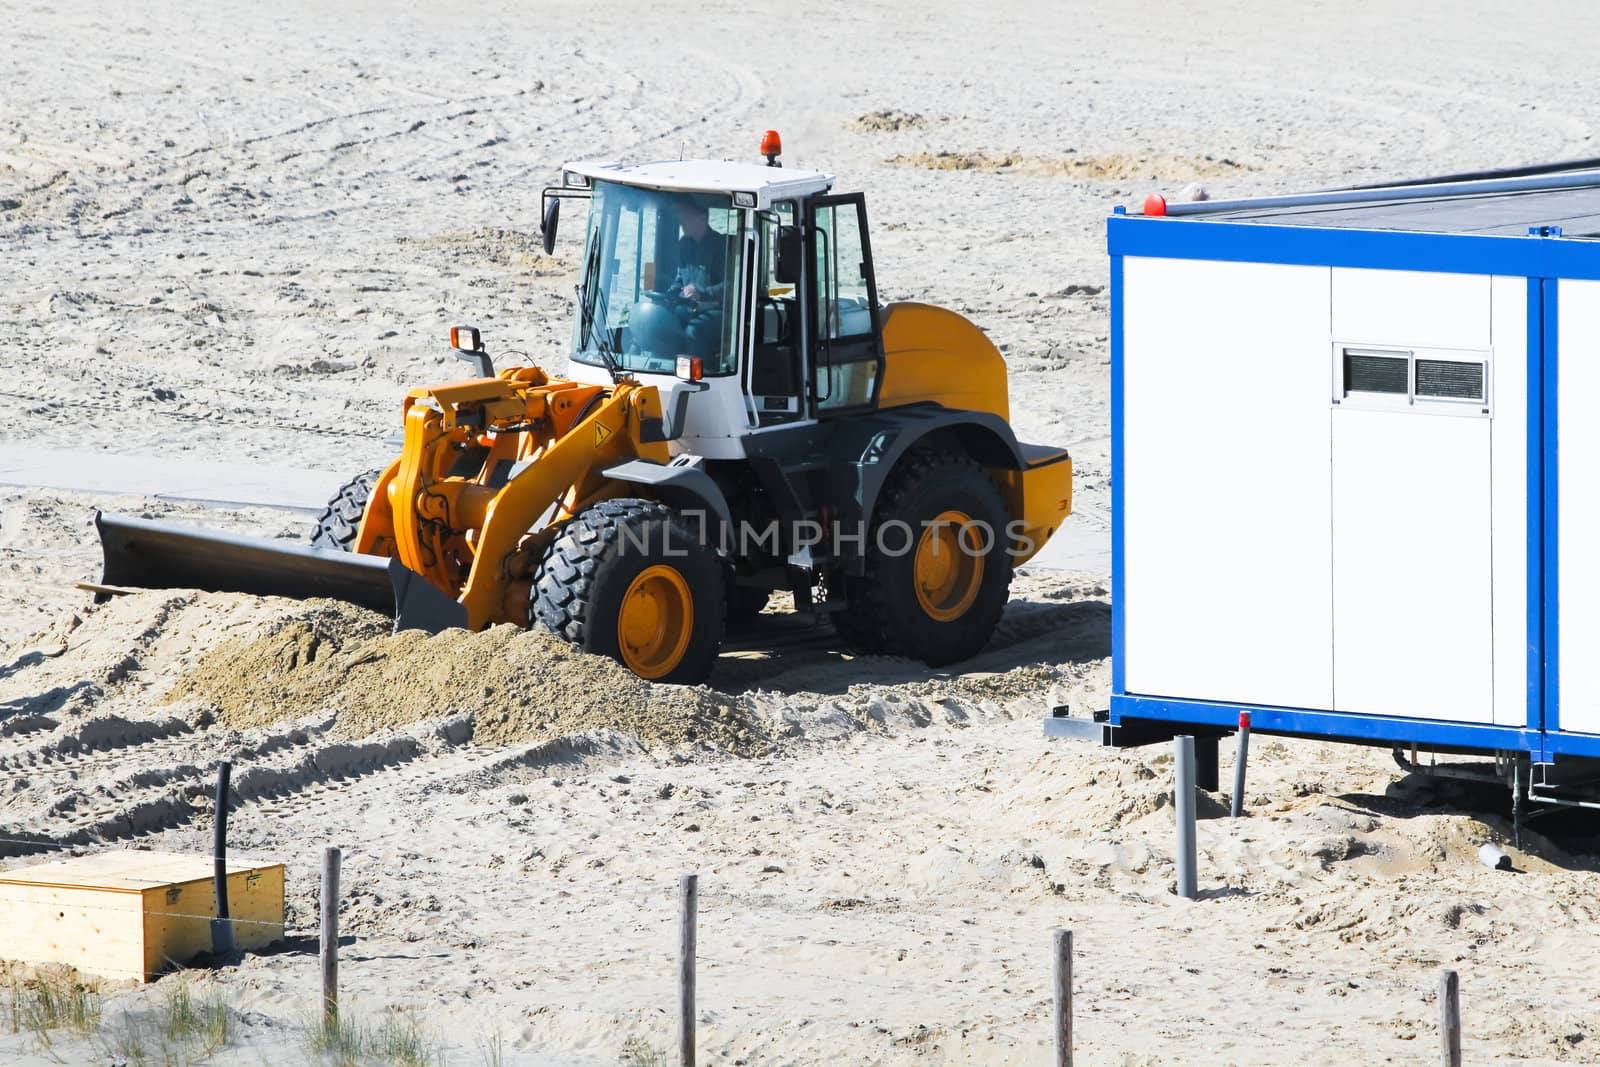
<point>847,349</point>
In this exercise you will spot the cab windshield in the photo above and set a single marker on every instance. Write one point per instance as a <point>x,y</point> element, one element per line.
<point>660,280</point>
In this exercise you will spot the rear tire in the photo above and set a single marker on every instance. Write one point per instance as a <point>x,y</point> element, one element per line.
<point>339,522</point>
<point>627,578</point>
<point>938,603</point>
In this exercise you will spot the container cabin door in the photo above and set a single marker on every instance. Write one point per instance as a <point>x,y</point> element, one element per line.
<point>1572,692</point>
<point>1412,490</point>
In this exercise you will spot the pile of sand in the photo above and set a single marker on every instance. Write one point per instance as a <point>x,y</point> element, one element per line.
<point>888,120</point>
<point>517,685</point>
<point>1107,166</point>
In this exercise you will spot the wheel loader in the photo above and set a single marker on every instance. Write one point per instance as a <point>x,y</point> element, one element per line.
<point>739,415</point>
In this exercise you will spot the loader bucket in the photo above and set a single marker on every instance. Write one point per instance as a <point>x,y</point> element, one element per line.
<point>158,555</point>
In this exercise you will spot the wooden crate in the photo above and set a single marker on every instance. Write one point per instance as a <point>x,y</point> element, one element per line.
<point>132,914</point>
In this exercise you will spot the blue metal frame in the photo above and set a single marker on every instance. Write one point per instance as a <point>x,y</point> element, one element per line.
<point>1535,506</point>
<point>1327,723</point>
<point>1550,642</point>
<point>1543,260</point>
<point>1533,256</point>
<point>1119,591</point>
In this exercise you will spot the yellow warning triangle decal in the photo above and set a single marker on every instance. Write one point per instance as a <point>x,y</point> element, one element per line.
<point>600,434</point>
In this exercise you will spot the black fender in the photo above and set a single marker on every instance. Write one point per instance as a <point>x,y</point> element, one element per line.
<point>684,486</point>
<point>866,448</point>
<point>858,452</point>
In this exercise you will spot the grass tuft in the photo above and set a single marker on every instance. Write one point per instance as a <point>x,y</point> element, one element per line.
<point>399,1041</point>
<point>181,1030</point>
<point>494,1050</point>
<point>395,1040</point>
<point>636,1052</point>
<point>53,1000</point>
<point>205,1022</point>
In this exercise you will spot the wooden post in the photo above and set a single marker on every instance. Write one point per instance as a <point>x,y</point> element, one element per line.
<point>1450,1019</point>
<point>330,938</point>
<point>1061,974</point>
<point>690,886</point>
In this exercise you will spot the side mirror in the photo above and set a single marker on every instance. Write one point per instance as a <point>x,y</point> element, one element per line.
<point>791,255</point>
<point>552,215</point>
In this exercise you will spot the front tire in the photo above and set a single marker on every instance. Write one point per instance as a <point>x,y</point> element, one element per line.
<point>339,522</point>
<point>627,578</point>
<point>938,565</point>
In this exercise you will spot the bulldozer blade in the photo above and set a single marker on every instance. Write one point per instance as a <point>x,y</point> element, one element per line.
<point>418,603</point>
<point>157,555</point>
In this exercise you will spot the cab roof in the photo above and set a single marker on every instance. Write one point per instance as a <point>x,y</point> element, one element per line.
<point>768,184</point>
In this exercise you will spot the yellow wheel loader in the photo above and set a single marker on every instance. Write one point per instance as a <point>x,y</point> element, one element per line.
<point>739,415</point>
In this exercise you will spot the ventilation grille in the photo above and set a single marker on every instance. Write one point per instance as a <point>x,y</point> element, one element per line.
<point>1368,373</point>
<point>1449,380</point>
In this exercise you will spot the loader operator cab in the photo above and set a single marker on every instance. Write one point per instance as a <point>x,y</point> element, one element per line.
<point>744,293</point>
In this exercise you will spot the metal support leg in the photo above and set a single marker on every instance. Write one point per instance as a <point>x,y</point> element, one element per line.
<point>1207,776</point>
<point>1516,802</point>
<point>1239,761</point>
<point>1183,803</point>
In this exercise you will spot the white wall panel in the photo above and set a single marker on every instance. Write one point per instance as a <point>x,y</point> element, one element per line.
<point>1396,307</point>
<point>1508,382</point>
<point>1412,610</point>
<point>1578,448</point>
<point>1226,521</point>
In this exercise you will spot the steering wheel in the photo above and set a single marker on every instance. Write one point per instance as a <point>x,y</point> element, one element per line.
<point>674,298</point>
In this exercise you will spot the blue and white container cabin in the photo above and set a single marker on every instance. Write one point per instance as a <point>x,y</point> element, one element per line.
<point>1354,454</point>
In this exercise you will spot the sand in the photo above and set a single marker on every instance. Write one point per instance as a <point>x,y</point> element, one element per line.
<point>511,684</point>
<point>251,251</point>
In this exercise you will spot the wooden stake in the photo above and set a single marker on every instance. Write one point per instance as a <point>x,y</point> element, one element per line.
<point>690,886</point>
<point>1450,1019</point>
<point>1061,974</point>
<point>330,938</point>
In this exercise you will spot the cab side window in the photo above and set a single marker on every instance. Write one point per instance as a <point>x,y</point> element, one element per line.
<point>849,355</point>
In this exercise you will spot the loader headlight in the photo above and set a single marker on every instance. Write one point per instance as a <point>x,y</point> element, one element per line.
<point>574,181</point>
<point>744,199</point>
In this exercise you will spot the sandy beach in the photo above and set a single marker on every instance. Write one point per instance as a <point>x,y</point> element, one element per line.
<point>239,233</point>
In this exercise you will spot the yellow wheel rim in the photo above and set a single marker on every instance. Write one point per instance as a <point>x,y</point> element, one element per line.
<point>948,569</point>
<point>655,622</point>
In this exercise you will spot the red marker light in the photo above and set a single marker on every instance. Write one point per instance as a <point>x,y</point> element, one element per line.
<point>1155,205</point>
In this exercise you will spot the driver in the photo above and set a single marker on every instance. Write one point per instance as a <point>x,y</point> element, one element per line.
<point>702,254</point>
